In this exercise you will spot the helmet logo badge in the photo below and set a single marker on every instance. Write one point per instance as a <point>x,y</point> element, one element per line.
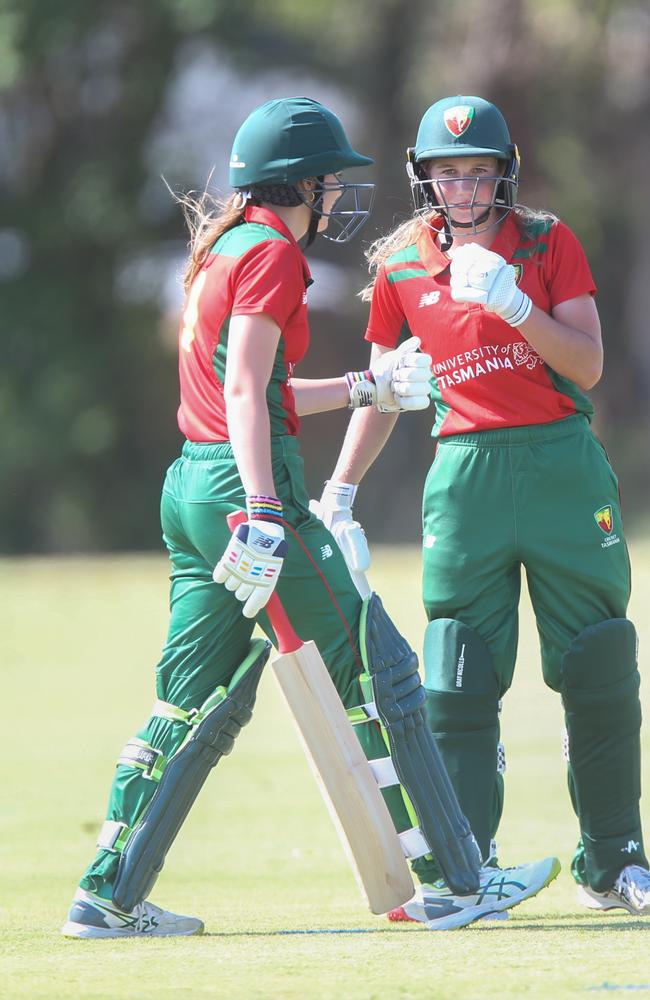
<point>236,162</point>
<point>459,119</point>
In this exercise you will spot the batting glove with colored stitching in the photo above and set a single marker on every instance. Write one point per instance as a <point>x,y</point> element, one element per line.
<point>482,276</point>
<point>251,564</point>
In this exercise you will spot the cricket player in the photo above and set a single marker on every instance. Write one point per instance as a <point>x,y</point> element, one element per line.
<point>244,330</point>
<point>502,298</point>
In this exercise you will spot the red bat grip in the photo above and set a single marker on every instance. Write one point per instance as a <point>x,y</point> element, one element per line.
<point>288,641</point>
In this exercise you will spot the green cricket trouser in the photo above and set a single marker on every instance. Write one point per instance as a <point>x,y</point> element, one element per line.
<point>209,637</point>
<point>526,496</point>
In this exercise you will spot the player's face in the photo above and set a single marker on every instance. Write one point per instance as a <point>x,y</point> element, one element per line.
<point>465,184</point>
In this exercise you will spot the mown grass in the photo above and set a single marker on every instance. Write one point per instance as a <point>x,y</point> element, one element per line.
<point>258,858</point>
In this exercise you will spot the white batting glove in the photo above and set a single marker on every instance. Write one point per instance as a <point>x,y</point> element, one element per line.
<point>482,276</point>
<point>335,511</point>
<point>403,378</point>
<point>251,564</point>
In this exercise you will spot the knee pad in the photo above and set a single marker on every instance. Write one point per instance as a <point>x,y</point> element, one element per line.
<point>462,692</point>
<point>600,678</point>
<point>462,687</point>
<point>212,731</point>
<point>399,698</point>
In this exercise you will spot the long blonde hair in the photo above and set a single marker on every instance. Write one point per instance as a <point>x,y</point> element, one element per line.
<point>407,233</point>
<point>208,217</point>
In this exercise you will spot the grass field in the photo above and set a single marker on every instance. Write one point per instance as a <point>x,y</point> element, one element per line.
<point>258,858</point>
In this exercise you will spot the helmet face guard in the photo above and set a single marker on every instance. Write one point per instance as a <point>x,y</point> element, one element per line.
<point>350,211</point>
<point>427,198</point>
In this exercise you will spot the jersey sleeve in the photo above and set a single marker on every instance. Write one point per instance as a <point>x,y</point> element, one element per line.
<point>386,318</point>
<point>569,272</point>
<point>268,279</point>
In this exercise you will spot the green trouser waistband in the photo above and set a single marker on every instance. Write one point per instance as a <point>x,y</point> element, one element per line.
<point>215,451</point>
<point>512,436</point>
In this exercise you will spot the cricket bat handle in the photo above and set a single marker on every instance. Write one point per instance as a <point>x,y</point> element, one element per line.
<point>288,641</point>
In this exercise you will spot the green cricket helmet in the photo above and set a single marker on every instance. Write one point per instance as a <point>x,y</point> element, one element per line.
<point>463,126</point>
<point>293,138</point>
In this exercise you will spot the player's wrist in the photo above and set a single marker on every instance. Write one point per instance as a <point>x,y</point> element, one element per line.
<point>518,309</point>
<point>337,495</point>
<point>264,508</point>
<point>362,389</point>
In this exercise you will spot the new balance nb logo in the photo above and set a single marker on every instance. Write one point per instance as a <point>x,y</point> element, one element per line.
<point>326,551</point>
<point>429,299</point>
<point>632,846</point>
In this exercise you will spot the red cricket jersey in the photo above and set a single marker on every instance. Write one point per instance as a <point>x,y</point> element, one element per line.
<point>486,375</point>
<point>256,267</point>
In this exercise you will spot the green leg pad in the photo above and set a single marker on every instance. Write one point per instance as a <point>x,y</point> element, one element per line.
<point>600,691</point>
<point>400,700</point>
<point>462,692</point>
<point>144,853</point>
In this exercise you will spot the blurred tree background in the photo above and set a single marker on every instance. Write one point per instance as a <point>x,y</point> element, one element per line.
<point>99,99</point>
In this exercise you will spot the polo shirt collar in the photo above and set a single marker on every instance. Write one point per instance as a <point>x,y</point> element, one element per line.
<point>265,217</point>
<point>435,261</point>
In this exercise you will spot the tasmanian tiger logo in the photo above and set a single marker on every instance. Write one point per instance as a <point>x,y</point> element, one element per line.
<point>523,354</point>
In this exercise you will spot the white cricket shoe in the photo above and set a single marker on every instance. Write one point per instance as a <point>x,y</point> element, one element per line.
<point>631,892</point>
<point>500,889</point>
<point>91,916</point>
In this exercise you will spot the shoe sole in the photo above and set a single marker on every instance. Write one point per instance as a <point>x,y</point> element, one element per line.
<point>400,915</point>
<point>600,905</point>
<point>86,932</point>
<point>474,913</point>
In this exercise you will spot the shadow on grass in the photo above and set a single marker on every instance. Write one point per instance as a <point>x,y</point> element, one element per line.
<point>574,925</point>
<point>614,924</point>
<point>311,930</point>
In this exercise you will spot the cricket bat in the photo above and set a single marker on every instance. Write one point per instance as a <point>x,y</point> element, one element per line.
<point>339,765</point>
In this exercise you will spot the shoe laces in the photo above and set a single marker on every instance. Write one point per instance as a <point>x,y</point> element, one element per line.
<point>146,915</point>
<point>634,884</point>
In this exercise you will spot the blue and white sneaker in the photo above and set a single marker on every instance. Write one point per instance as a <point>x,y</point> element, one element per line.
<point>631,892</point>
<point>500,889</point>
<point>91,916</point>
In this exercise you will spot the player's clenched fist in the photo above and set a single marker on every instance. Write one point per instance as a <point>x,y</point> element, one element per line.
<point>482,276</point>
<point>397,380</point>
<point>251,564</point>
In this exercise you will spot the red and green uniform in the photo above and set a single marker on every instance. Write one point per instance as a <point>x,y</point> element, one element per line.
<point>256,267</point>
<point>486,375</point>
<point>518,480</point>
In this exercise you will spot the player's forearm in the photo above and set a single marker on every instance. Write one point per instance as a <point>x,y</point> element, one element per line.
<point>250,436</point>
<point>314,395</point>
<point>367,433</point>
<point>569,351</point>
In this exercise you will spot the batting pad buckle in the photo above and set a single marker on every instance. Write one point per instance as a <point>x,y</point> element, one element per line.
<point>140,754</point>
<point>413,843</point>
<point>113,835</point>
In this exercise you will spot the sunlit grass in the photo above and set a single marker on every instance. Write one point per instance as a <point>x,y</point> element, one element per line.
<point>258,858</point>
